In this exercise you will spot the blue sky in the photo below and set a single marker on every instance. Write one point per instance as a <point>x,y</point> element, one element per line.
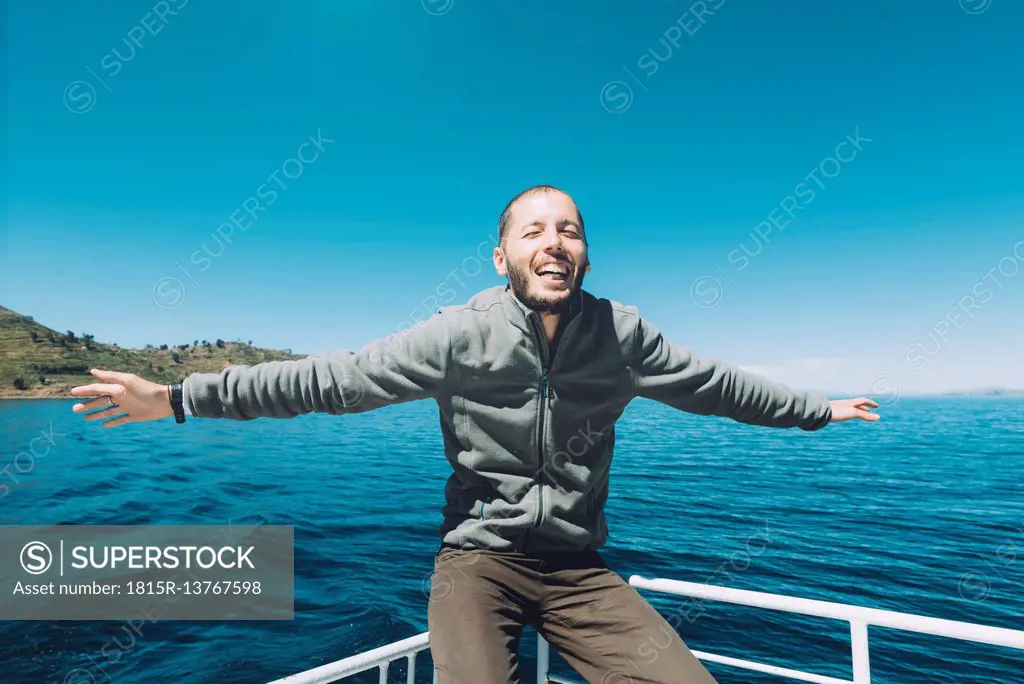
<point>136,129</point>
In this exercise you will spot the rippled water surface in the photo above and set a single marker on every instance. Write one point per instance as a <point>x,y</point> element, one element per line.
<point>922,512</point>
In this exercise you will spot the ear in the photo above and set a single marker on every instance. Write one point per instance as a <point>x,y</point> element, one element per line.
<point>500,264</point>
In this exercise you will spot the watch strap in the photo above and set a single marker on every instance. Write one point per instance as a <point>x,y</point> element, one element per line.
<point>177,405</point>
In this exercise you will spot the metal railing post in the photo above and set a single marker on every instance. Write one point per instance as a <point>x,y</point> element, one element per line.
<point>410,670</point>
<point>543,660</point>
<point>861,659</point>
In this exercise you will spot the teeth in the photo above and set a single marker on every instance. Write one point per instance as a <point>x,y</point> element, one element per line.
<point>555,269</point>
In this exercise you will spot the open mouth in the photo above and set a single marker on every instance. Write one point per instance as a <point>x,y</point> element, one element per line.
<point>553,273</point>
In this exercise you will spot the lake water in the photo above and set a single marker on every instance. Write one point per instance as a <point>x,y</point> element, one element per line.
<point>922,512</point>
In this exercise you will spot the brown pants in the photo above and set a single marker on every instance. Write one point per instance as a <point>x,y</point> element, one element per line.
<point>481,600</point>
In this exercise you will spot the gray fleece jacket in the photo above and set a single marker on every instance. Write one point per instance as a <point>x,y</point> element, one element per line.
<point>529,433</point>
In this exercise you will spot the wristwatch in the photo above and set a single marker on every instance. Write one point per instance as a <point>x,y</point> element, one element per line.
<point>174,393</point>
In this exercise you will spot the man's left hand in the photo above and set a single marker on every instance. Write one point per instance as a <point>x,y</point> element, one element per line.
<point>849,409</point>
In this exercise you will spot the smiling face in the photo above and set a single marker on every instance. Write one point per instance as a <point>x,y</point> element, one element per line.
<point>543,250</point>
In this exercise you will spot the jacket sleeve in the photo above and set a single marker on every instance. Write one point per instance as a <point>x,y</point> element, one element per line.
<point>676,376</point>
<point>403,367</point>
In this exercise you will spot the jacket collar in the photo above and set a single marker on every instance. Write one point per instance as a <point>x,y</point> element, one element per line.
<point>525,312</point>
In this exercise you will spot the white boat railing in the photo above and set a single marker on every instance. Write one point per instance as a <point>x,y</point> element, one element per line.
<point>858,617</point>
<point>380,658</point>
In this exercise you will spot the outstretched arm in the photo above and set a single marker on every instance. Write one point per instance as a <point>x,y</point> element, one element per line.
<point>678,377</point>
<point>404,367</point>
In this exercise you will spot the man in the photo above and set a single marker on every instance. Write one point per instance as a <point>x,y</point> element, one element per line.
<point>529,379</point>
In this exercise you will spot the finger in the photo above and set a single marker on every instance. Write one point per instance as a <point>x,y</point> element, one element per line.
<point>865,415</point>
<point>119,421</point>
<point>111,376</point>
<point>106,413</point>
<point>97,388</point>
<point>92,404</point>
<point>861,401</point>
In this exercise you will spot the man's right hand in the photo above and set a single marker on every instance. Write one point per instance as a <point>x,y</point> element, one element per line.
<point>123,393</point>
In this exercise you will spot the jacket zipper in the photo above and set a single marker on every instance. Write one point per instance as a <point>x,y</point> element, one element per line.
<point>540,444</point>
<point>545,395</point>
<point>544,389</point>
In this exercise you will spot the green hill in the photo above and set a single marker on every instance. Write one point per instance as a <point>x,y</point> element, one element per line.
<point>36,361</point>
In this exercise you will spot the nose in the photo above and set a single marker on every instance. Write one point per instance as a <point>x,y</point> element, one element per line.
<point>552,240</point>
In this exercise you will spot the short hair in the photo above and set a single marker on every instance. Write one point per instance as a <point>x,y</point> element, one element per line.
<point>506,214</point>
